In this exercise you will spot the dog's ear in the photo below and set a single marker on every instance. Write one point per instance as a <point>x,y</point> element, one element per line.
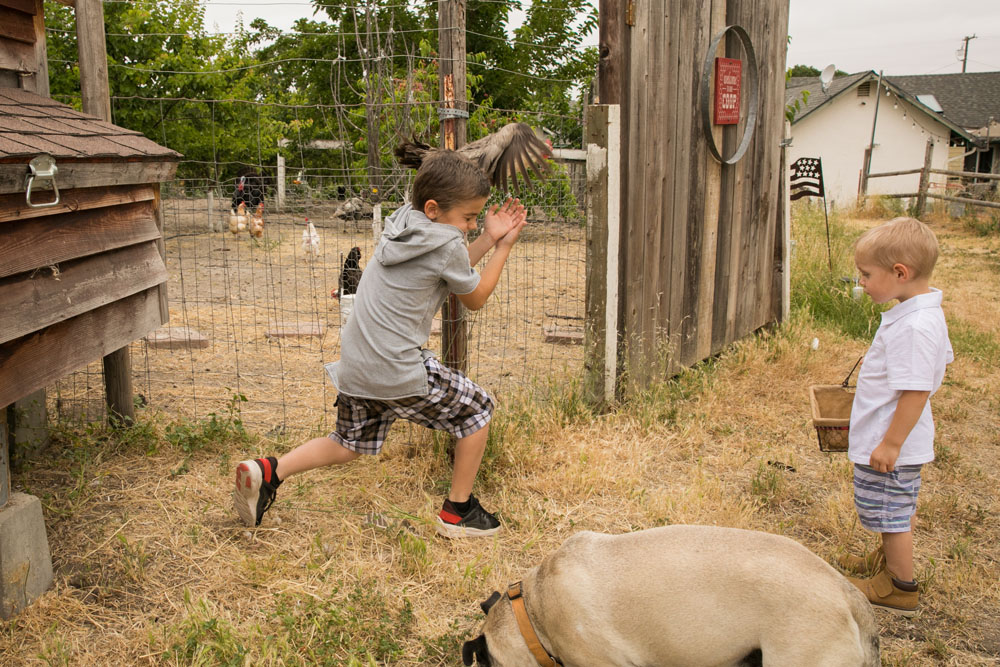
<point>476,651</point>
<point>486,604</point>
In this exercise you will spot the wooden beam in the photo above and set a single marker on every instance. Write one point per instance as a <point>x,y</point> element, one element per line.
<point>925,178</point>
<point>595,299</point>
<point>16,56</point>
<point>963,200</point>
<point>89,174</point>
<point>17,25</point>
<point>611,68</point>
<point>967,174</point>
<point>34,302</point>
<point>31,363</point>
<point>43,242</point>
<point>905,172</point>
<point>94,89</point>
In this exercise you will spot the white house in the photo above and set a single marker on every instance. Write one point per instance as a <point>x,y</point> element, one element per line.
<point>836,126</point>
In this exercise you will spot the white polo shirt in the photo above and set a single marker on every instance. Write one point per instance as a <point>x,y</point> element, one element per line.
<point>909,352</point>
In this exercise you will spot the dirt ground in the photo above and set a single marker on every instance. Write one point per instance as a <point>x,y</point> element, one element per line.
<point>153,568</point>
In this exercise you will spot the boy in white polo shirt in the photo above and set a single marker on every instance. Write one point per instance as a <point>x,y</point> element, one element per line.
<point>892,431</point>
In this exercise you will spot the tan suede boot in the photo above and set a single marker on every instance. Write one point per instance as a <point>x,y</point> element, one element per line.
<point>867,565</point>
<point>882,592</point>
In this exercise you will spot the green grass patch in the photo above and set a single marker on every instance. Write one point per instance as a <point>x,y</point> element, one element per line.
<point>823,292</point>
<point>969,342</point>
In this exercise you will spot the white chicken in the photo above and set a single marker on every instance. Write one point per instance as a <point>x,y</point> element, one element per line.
<point>238,219</point>
<point>257,222</point>
<point>310,240</point>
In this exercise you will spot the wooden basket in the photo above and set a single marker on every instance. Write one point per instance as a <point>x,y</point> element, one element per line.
<point>831,415</point>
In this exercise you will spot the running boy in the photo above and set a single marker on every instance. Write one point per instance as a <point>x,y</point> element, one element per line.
<point>892,431</point>
<point>383,373</point>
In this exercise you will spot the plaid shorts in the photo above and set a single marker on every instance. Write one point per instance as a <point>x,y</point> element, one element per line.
<point>886,500</point>
<point>453,403</point>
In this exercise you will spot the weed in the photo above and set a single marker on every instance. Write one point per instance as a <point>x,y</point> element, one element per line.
<point>191,437</point>
<point>959,550</point>
<point>982,225</point>
<point>205,639</point>
<point>55,652</point>
<point>134,559</point>
<point>416,559</point>
<point>766,484</point>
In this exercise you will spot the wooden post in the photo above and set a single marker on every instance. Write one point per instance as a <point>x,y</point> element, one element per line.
<point>611,44</point>
<point>863,187</point>
<point>281,183</point>
<point>4,459</point>
<point>925,179</point>
<point>601,339</point>
<point>211,212</point>
<point>41,51</point>
<point>96,97</point>
<point>451,46</point>
<point>94,88</point>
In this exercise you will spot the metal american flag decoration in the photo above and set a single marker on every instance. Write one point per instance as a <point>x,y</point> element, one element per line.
<point>807,178</point>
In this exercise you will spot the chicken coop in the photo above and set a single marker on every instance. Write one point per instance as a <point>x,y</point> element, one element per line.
<point>82,270</point>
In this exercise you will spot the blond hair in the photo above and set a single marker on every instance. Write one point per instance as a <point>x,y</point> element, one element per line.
<point>905,241</point>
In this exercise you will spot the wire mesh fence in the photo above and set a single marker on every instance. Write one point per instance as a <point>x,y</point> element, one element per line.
<point>255,307</point>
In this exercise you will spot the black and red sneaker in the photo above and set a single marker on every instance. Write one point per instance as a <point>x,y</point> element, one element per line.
<point>256,486</point>
<point>473,522</point>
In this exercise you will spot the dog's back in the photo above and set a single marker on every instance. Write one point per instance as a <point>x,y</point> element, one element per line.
<point>764,593</point>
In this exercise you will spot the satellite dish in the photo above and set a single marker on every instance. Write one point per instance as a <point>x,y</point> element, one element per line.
<point>827,76</point>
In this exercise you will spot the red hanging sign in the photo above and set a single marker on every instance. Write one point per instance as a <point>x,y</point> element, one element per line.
<point>728,73</point>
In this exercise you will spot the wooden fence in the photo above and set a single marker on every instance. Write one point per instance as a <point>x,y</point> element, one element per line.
<point>700,264</point>
<point>923,189</point>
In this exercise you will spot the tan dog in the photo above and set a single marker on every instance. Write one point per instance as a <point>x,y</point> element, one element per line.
<point>682,595</point>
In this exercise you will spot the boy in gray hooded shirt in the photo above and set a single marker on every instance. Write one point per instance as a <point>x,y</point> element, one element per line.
<point>383,373</point>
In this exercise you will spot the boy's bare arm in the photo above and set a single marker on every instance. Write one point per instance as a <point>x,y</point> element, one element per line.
<point>490,275</point>
<point>908,409</point>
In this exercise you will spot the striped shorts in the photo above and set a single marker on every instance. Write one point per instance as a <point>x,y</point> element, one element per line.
<point>453,403</point>
<point>886,500</point>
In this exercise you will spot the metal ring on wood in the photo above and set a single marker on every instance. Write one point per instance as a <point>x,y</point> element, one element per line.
<point>753,80</point>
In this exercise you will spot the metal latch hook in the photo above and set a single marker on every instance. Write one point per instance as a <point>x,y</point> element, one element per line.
<point>43,168</point>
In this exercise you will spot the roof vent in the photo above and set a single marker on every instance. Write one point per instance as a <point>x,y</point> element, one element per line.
<point>865,89</point>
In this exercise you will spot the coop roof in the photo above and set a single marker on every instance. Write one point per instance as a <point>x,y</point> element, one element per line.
<point>31,124</point>
<point>818,98</point>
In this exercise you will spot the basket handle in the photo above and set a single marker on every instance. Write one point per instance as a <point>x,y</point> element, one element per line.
<point>848,378</point>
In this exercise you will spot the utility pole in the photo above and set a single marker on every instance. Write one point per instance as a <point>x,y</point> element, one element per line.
<point>965,51</point>
<point>453,114</point>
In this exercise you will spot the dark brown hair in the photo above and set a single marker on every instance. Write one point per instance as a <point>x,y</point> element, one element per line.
<point>449,179</point>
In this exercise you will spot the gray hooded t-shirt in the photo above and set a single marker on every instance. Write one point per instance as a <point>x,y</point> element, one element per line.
<point>417,263</point>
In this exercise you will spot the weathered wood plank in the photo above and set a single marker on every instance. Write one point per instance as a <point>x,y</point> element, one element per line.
<point>684,49</point>
<point>14,206</point>
<point>33,302</point>
<point>32,362</point>
<point>88,174</point>
<point>711,177</point>
<point>25,6</point>
<point>17,56</point>
<point>634,216</point>
<point>17,25</point>
<point>658,72</point>
<point>42,242</point>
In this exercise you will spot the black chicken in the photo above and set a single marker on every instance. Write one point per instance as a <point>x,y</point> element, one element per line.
<point>513,149</point>
<point>248,188</point>
<point>350,275</point>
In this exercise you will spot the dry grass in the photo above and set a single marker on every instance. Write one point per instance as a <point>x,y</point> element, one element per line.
<point>152,568</point>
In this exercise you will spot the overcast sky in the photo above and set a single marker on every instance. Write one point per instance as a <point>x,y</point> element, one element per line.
<point>898,36</point>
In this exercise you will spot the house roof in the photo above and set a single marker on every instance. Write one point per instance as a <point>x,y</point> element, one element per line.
<point>818,98</point>
<point>968,99</point>
<point>31,124</point>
